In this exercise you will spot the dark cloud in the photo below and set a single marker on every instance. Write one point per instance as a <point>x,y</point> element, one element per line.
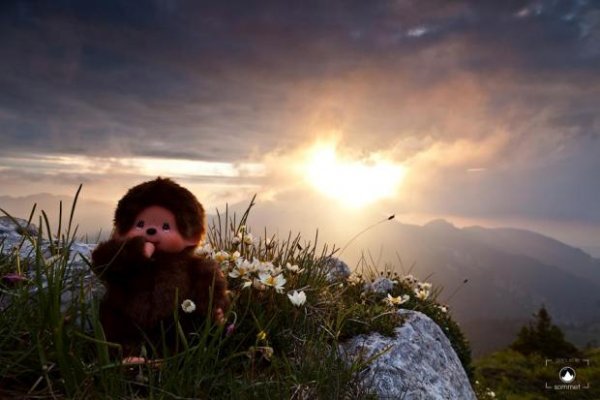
<point>234,80</point>
<point>563,190</point>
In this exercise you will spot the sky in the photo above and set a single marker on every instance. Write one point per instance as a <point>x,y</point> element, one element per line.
<point>480,112</point>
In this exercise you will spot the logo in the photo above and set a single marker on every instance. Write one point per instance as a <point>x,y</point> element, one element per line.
<point>567,375</point>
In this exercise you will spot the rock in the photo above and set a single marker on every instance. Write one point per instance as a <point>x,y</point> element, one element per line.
<point>337,270</point>
<point>419,362</point>
<point>9,228</point>
<point>381,285</point>
<point>11,234</point>
<point>79,282</point>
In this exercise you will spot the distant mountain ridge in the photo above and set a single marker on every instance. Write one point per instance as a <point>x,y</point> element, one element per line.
<point>91,215</point>
<point>543,248</point>
<point>511,273</point>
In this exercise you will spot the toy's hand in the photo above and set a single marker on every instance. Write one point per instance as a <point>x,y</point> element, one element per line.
<point>149,249</point>
<point>117,256</point>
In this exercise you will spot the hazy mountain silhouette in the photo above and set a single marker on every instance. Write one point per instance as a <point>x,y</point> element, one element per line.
<point>542,248</point>
<point>92,216</point>
<point>511,273</point>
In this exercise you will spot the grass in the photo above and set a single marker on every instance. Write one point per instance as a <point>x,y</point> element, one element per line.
<point>510,375</point>
<point>52,345</point>
<point>529,367</point>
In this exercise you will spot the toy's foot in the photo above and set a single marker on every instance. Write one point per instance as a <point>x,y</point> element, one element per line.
<point>134,361</point>
<point>219,316</point>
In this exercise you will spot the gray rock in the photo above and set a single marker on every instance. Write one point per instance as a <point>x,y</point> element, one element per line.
<point>381,285</point>
<point>80,284</point>
<point>418,363</point>
<point>11,235</point>
<point>337,270</point>
<point>8,227</point>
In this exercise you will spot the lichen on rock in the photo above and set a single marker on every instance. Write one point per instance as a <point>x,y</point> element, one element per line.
<point>418,363</point>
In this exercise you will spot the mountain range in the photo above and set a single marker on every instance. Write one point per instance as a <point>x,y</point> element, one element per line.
<point>511,273</point>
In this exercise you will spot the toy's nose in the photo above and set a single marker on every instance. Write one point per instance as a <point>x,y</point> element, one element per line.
<point>151,231</point>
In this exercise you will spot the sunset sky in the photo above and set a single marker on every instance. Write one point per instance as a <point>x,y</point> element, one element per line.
<point>476,111</point>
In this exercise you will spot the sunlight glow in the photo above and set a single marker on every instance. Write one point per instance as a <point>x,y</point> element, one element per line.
<point>354,183</point>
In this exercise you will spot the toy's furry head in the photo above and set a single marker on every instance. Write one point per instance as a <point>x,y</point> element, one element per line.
<point>163,192</point>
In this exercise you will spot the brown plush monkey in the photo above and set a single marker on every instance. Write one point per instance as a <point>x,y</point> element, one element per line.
<point>149,267</point>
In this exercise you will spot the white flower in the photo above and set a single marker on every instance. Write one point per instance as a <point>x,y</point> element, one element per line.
<point>238,272</point>
<point>276,282</point>
<point>222,256</point>
<point>242,268</point>
<point>250,266</point>
<point>246,284</point>
<point>205,250</point>
<point>279,283</point>
<point>236,240</point>
<point>443,309</point>
<point>294,269</point>
<point>423,290</point>
<point>265,266</point>
<point>188,306</point>
<point>248,239</point>
<point>409,279</point>
<point>421,294</point>
<point>234,257</point>
<point>297,298</point>
<point>396,301</point>
<point>353,279</point>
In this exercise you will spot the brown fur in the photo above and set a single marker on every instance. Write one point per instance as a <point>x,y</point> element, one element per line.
<point>189,213</point>
<point>142,294</point>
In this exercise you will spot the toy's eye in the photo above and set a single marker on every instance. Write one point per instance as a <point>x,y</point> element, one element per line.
<point>166,226</point>
<point>140,224</point>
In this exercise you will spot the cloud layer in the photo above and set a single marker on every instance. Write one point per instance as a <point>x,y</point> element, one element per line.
<point>492,106</point>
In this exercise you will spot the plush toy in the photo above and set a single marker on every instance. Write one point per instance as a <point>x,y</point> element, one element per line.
<point>150,270</point>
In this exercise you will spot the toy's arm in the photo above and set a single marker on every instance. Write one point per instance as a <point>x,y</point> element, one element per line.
<point>211,275</point>
<point>220,296</point>
<point>115,256</point>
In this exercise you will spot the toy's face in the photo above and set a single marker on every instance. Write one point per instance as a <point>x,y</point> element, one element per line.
<point>157,225</point>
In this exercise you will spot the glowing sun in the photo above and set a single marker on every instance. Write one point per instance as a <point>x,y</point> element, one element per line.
<point>353,182</point>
